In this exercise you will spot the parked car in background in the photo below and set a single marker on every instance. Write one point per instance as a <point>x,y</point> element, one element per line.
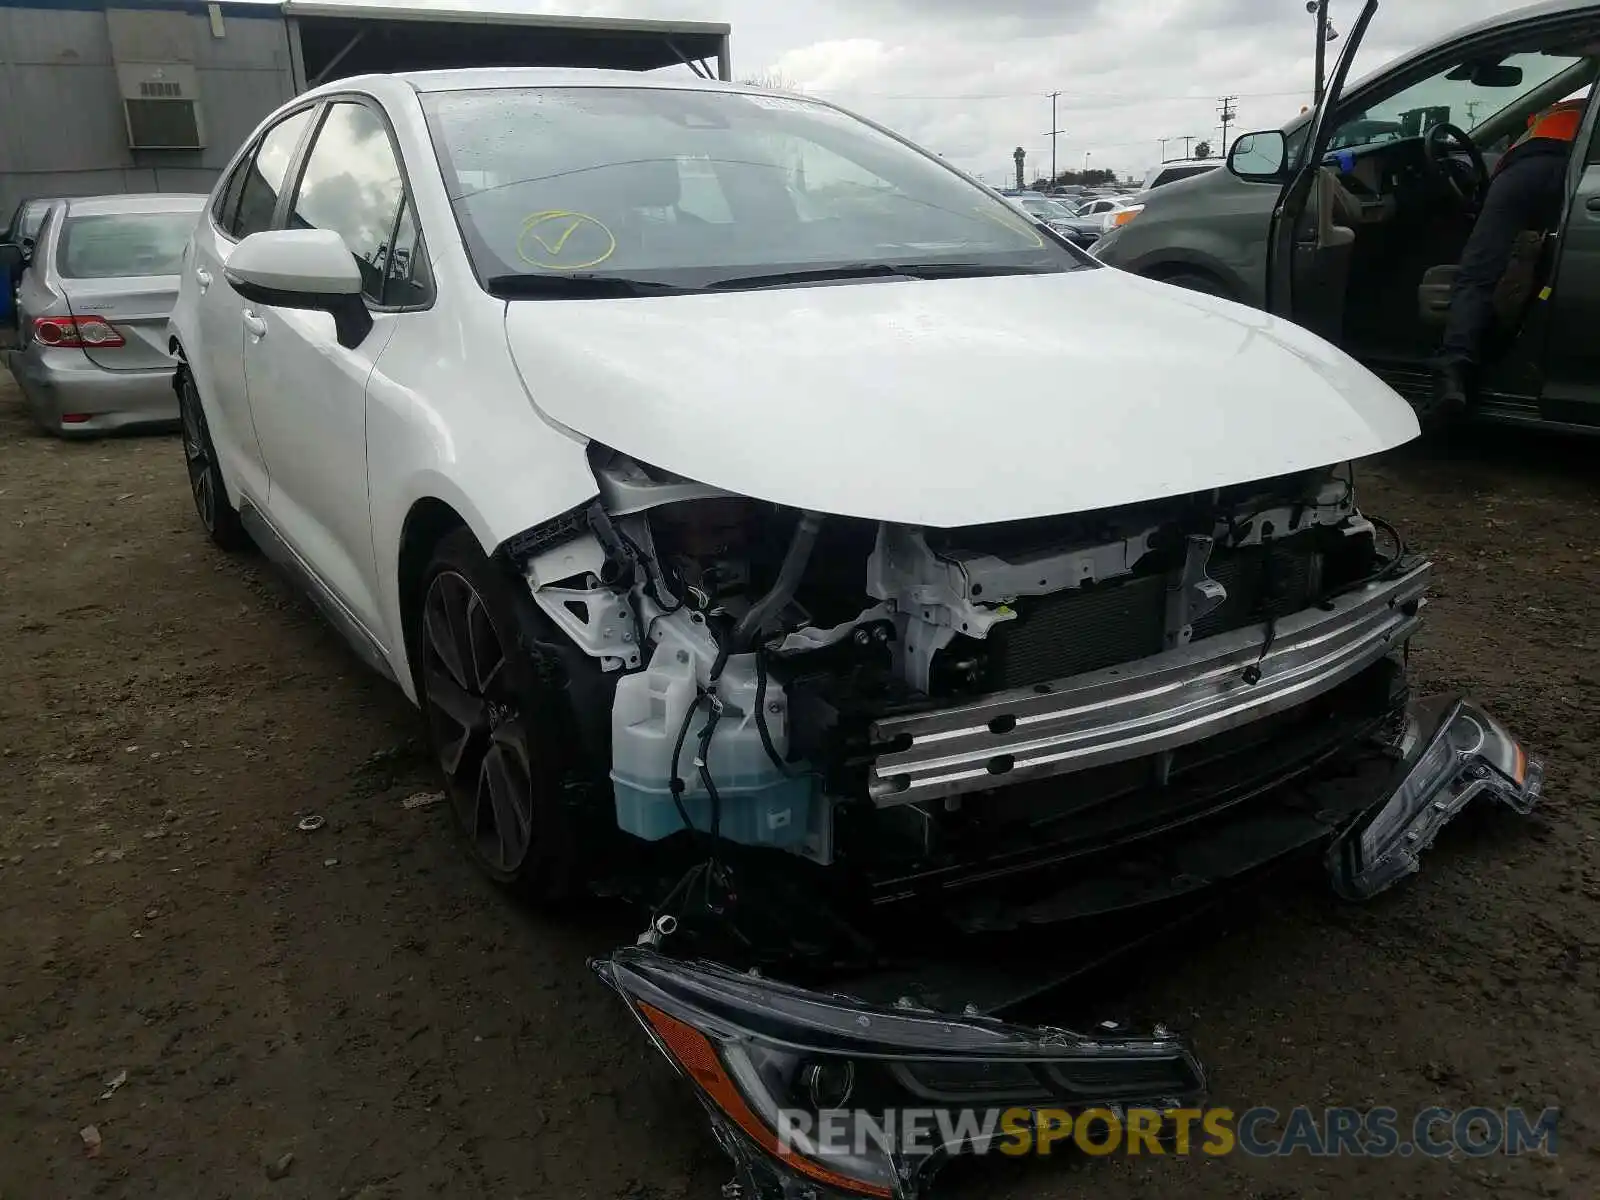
<point>1351,219</point>
<point>92,311</point>
<point>1087,223</point>
<point>689,521</point>
<point>1121,210</point>
<point>26,218</point>
<point>20,231</point>
<point>1057,214</point>
<point>1179,168</point>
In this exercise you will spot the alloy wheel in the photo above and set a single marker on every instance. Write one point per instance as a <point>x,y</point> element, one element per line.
<point>477,723</point>
<point>197,458</point>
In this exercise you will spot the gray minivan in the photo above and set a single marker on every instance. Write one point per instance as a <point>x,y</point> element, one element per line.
<point>1350,219</point>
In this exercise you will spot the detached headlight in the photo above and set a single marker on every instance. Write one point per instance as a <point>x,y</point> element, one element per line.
<point>808,1088</point>
<point>1120,217</point>
<point>1451,753</point>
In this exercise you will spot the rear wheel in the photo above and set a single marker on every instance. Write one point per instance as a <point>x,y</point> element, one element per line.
<point>499,724</point>
<point>220,518</point>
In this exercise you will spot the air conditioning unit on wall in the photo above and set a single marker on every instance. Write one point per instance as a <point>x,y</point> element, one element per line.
<point>161,105</point>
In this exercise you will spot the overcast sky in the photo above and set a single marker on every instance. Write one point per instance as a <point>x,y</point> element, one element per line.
<point>971,79</point>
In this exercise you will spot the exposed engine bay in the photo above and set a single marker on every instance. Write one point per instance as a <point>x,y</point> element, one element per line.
<point>920,711</point>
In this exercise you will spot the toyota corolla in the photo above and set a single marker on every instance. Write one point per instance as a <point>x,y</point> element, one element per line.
<point>657,437</point>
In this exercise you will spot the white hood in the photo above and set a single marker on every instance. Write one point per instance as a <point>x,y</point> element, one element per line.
<point>954,402</point>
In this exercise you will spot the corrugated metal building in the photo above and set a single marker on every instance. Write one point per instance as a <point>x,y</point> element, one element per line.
<point>155,95</point>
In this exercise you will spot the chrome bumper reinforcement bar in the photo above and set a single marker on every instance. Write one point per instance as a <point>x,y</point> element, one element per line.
<point>1144,707</point>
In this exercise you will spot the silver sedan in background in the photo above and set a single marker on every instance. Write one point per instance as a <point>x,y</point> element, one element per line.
<point>92,312</point>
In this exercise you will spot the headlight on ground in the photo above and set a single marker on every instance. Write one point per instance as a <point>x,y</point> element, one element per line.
<point>806,1086</point>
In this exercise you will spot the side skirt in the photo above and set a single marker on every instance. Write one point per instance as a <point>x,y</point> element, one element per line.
<point>333,610</point>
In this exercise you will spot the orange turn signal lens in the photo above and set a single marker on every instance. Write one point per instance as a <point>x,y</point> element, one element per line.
<point>695,1053</point>
<point>1119,219</point>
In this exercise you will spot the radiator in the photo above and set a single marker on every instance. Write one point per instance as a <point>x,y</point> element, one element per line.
<point>1085,629</point>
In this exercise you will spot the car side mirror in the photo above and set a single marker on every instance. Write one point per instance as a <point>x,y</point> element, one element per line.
<point>1259,156</point>
<point>303,268</point>
<point>12,259</point>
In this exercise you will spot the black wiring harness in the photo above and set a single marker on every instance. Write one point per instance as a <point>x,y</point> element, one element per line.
<point>1384,571</point>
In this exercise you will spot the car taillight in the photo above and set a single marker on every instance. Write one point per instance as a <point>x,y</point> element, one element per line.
<point>76,331</point>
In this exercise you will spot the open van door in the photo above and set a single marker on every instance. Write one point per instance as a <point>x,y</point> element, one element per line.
<point>1308,259</point>
<point>1571,391</point>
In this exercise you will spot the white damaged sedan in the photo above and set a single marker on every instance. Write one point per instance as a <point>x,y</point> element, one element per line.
<point>776,528</point>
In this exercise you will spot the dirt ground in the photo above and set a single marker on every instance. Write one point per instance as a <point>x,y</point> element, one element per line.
<point>357,997</point>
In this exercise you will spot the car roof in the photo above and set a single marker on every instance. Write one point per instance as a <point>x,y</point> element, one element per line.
<point>147,202</point>
<point>467,78</point>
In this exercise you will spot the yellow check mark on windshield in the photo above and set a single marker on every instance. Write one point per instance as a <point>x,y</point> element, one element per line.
<point>554,247</point>
<point>552,229</point>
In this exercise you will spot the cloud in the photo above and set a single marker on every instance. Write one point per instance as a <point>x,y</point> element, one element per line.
<point>972,79</point>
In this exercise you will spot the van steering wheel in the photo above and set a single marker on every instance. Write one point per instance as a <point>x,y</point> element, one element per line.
<point>1440,145</point>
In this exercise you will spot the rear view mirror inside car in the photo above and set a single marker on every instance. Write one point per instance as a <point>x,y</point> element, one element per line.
<point>1259,155</point>
<point>1488,75</point>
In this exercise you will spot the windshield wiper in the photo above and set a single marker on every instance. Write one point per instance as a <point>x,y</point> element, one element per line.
<point>874,270</point>
<point>577,284</point>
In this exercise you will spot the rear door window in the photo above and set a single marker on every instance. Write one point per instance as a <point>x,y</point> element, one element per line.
<point>263,180</point>
<point>352,185</point>
<point>122,245</point>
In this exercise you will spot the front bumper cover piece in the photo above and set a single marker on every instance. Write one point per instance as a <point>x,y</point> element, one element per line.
<point>1450,753</point>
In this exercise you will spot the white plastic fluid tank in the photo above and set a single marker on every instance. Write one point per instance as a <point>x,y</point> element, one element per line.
<point>761,805</point>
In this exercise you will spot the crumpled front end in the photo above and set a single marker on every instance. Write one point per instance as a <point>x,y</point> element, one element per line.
<point>841,746</point>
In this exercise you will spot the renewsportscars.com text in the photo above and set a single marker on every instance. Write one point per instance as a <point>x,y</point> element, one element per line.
<point>1435,1132</point>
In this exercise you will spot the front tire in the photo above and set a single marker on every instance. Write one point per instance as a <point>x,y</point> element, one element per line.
<point>211,504</point>
<point>500,724</point>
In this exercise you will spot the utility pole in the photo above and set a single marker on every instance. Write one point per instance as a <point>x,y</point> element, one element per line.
<point>1226,113</point>
<point>1319,9</point>
<point>1188,140</point>
<point>1053,132</point>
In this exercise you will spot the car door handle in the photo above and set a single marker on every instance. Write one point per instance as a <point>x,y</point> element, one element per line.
<point>202,277</point>
<point>256,326</point>
<point>1592,203</point>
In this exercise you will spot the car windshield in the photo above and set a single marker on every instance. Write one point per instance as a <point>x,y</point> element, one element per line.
<point>692,188</point>
<point>118,245</point>
<point>1465,95</point>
